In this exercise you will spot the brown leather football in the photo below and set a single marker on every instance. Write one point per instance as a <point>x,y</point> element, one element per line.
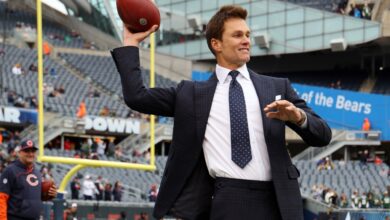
<point>138,15</point>
<point>46,185</point>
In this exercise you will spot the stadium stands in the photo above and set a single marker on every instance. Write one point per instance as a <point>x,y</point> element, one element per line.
<point>344,178</point>
<point>52,31</point>
<point>101,69</point>
<point>75,89</point>
<point>136,183</point>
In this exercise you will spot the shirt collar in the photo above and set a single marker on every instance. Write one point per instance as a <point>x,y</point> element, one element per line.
<point>223,72</point>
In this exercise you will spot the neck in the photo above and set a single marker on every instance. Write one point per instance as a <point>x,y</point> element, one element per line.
<point>229,65</point>
<point>27,164</point>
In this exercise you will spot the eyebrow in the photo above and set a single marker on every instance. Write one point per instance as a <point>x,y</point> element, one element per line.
<point>239,31</point>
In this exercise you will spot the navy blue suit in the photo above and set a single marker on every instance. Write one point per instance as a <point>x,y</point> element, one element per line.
<point>186,188</point>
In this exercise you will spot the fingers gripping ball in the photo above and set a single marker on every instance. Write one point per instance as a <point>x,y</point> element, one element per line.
<point>46,185</point>
<point>138,15</point>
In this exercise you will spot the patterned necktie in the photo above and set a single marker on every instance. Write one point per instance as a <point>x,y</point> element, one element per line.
<point>241,147</point>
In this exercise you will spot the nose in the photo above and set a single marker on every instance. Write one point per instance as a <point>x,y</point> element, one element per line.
<point>246,40</point>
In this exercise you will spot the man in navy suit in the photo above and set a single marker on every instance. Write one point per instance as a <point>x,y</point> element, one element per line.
<point>228,158</point>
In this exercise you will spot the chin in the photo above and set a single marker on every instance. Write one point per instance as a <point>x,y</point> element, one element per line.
<point>244,61</point>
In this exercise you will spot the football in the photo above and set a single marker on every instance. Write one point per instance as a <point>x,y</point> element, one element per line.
<point>138,15</point>
<point>46,185</point>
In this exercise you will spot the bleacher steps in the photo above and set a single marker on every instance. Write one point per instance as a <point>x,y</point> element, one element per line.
<point>336,146</point>
<point>80,76</point>
<point>344,138</point>
<point>57,126</point>
<point>173,68</point>
<point>315,206</point>
<point>141,142</point>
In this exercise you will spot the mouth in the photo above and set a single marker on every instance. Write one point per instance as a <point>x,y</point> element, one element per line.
<point>244,50</point>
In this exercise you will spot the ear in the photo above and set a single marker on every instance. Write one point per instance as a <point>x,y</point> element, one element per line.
<point>216,45</point>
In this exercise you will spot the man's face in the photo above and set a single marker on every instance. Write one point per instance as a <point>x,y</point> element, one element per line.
<point>27,156</point>
<point>233,50</point>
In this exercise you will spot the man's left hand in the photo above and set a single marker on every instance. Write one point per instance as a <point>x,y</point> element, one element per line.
<point>283,110</point>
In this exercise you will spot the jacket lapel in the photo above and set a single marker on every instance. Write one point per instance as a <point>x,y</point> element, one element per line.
<point>264,93</point>
<point>204,94</point>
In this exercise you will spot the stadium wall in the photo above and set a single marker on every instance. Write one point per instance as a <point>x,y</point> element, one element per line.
<point>355,214</point>
<point>108,210</point>
<point>174,68</point>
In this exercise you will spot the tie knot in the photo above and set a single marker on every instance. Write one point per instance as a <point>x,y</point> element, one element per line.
<point>234,74</point>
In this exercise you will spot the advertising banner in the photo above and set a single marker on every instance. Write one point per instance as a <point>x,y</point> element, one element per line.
<point>344,109</point>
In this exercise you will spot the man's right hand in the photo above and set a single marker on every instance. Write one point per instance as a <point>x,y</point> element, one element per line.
<point>133,39</point>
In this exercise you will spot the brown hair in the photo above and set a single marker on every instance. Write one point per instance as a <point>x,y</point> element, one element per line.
<point>215,27</point>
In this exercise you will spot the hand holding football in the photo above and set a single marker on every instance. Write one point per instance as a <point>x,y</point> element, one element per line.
<point>138,15</point>
<point>46,185</point>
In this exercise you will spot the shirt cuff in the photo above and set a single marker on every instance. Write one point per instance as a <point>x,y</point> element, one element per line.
<point>304,124</point>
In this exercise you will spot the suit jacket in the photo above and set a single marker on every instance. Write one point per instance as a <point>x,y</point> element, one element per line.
<point>186,188</point>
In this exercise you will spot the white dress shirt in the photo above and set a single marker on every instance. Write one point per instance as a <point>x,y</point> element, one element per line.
<point>217,141</point>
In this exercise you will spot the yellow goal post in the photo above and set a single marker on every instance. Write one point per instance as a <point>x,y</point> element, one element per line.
<point>83,163</point>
